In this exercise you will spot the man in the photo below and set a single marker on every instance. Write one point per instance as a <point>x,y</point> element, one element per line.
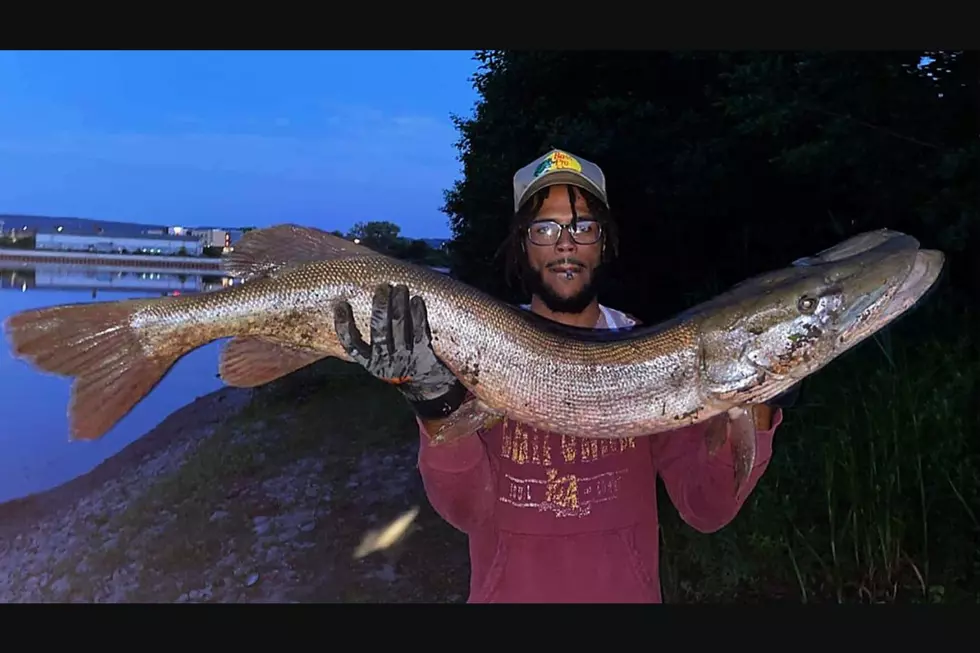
<point>552,518</point>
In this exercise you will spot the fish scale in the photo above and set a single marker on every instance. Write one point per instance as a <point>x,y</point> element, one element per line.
<point>740,348</point>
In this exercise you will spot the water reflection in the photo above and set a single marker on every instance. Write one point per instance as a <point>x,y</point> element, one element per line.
<point>26,277</point>
<point>35,453</point>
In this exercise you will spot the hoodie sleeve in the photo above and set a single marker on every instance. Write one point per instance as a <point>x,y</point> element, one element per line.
<point>457,479</point>
<point>702,487</point>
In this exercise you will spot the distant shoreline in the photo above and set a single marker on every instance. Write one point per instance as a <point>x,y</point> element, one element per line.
<point>191,264</point>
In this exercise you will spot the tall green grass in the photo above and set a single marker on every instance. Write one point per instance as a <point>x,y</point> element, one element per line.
<point>873,491</point>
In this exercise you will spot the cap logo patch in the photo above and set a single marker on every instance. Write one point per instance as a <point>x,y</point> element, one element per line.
<point>557,161</point>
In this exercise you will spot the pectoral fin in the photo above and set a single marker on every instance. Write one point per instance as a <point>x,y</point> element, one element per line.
<point>471,417</point>
<point>742,437</point>
<point>716,433</point>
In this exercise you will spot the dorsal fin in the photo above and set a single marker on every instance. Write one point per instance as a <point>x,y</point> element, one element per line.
<point>264,252</point>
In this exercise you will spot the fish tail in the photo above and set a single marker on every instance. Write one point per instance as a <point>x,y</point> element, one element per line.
<point>98,345</point>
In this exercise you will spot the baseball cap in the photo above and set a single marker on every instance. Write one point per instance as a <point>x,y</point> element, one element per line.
<point>559,167</point>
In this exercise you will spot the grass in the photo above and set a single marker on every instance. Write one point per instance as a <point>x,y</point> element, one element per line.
<point>873,490</point>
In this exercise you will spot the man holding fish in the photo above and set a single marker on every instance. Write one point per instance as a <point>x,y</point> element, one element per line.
<point>553,518</point>
<point>550,517</point>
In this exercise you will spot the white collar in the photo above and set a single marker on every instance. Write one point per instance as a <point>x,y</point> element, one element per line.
<point>613,319</point>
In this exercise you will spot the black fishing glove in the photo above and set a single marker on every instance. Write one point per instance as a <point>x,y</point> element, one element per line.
<point>401,351</point>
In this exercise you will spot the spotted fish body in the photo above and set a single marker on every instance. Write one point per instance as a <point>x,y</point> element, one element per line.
<point>512,361</point>
<point>740,348</point>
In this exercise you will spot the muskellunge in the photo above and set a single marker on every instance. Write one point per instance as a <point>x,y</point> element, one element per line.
<point>744,346</point>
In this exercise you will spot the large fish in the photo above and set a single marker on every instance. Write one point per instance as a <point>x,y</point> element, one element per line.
<point>743,347</point>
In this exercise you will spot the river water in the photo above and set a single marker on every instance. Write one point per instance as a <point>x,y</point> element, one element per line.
<point>35,453</point>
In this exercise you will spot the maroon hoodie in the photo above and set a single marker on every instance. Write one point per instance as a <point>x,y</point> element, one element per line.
<point>561,519</point>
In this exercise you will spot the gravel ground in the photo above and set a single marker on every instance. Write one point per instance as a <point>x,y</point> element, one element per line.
<point>242,496</point>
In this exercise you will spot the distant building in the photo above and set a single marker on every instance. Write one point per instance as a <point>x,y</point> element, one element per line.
<point>209,236</point>
<point>54,240</point>
<point>108,231</point>
<point>31,223</point>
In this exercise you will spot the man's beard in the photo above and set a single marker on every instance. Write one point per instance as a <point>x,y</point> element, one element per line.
<point>577,303</point>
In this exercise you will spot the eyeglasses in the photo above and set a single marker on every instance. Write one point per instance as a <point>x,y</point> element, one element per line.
<point>548,232</point>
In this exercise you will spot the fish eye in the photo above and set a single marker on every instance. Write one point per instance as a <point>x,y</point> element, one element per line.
<point>806,305</point>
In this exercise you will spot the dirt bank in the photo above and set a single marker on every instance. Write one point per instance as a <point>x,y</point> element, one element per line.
<point>243,495</point>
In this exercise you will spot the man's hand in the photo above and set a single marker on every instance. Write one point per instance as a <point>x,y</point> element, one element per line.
<point>401,351</point>
<point>762,416</point>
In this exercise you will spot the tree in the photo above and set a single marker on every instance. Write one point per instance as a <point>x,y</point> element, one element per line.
<point>381,236</point>
<point>723,165</point>
<point>411,249</point>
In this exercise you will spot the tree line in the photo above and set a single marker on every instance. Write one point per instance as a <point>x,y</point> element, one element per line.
<point>724,165</point>
<point>385,237</point>
<point>720,165</point>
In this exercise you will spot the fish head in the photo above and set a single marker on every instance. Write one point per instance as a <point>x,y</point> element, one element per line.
<point>771,331</point>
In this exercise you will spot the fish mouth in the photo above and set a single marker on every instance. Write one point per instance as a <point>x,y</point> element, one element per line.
<point>867,283</point>
<point>908,276</point>
<point>892,301</point>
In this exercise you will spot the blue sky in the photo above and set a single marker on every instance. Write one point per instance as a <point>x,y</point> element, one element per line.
<point>233,138</point>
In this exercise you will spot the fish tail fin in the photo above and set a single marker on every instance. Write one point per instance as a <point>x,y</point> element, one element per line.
<point>98,346</point>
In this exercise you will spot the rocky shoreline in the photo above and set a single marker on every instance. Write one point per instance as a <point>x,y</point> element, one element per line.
<point>240,498</point>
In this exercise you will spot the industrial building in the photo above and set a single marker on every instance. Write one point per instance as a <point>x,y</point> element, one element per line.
<point>171,245</point>
<point>209,236</point>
